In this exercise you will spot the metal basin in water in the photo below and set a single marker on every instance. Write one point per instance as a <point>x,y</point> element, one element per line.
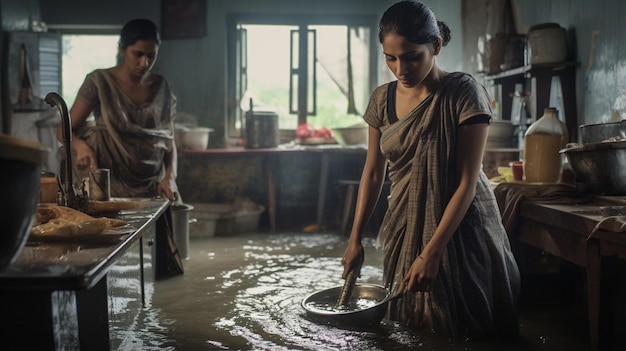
<point>367,305</point>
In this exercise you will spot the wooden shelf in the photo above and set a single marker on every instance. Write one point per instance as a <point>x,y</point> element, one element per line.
<point>536,81</point>
<point>531,70</point>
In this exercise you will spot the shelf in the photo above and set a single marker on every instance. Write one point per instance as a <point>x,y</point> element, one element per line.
<point>536,81</point>
<point>531,70</point>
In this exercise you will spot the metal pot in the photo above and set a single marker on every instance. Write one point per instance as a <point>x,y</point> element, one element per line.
<point>180,224</point>
<point>597,132</point>
<point>378,294</point>
<point>599,168</point>
<point>261,129</point>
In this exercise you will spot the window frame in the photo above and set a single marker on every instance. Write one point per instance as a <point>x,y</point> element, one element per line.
<point>233,87</point>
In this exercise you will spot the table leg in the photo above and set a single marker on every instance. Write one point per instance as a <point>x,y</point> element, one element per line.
<point>593,291</point>
<point>270,178</point>
<point>321,198</point>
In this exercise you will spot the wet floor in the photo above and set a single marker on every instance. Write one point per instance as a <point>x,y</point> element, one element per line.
<point>244,293</point>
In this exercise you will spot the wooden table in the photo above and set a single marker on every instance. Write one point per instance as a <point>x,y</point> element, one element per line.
<point>564,231</point>
<point>55,294</point>
<point>269,160</point>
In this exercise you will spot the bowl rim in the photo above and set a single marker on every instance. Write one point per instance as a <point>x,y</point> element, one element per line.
<point>343,313</point>
<point>20,149</point>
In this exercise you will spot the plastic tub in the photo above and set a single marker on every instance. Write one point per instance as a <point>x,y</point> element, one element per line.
<point>224,219</point>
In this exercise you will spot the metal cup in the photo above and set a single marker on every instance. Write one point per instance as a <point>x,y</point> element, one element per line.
<point>100,185</point>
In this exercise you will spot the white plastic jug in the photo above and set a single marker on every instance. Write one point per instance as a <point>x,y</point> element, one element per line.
<point>542,142</point>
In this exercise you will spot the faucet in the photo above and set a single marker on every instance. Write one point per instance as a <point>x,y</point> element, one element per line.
<point>69,195</point>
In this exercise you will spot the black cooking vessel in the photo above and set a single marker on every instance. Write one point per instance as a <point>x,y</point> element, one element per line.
<point>261,129</point>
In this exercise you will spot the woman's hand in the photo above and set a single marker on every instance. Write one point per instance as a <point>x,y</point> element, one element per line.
<point>422,274</point>
<point>85,157</point>
<point>353,258</point>
<point>167,187</point>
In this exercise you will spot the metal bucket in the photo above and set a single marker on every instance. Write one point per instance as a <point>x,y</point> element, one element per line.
<point>261,130</point>
<point>180,227</point>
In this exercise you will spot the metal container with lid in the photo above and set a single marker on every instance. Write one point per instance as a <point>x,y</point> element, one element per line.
<point>261,129</point>
<point>547,43</point>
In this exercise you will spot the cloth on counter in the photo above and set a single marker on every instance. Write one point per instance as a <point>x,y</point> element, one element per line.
<point>128,139</point>
<point>614,224</point>
<point>509,196</point>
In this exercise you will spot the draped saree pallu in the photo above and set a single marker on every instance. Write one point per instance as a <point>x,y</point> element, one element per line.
<point>129,139</point>
<point>477,286</point>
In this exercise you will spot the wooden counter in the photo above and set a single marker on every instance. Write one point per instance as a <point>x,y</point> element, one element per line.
<point>55,295</point>
<point>565,231</point>
<point>269,158</point>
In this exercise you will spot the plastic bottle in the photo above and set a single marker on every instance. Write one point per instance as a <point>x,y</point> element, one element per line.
<point>542,142</point>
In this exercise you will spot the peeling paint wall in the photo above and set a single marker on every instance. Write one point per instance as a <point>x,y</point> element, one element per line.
<point>600,33</point>
<point>596,37</point>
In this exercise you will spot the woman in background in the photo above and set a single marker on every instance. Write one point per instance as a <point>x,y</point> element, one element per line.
<point>133,131</point>
<point>443,241</point>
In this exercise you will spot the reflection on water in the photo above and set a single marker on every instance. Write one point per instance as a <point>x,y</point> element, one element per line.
<point>245,293</point>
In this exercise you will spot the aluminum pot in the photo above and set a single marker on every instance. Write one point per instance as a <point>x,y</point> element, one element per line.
<point>597,132</point>
<point>180,224</point>
<point>599,168</point>
<point>379,295</point>
<point>261,129</point>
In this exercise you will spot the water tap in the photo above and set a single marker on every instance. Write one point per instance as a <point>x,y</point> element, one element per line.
<point>69,196</point>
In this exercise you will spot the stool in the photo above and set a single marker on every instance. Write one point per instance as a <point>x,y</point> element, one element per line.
<point>348,204</point>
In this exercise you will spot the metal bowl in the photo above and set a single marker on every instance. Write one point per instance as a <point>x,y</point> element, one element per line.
<point>371,315</point>
<point>20,161</point>
<point>599,168</point>
<point>598,132</point>
<point>351,135</point>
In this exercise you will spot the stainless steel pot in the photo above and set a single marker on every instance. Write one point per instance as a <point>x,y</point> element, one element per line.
<point>597,132</point>
<point>320,305</point>
<point>180,224</point>
<point>599,168</point>
<point>261,129</point>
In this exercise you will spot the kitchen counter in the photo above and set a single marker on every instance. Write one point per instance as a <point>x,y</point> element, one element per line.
<point>572,232</point>
<point>270,156</point>
<point>56,292</point>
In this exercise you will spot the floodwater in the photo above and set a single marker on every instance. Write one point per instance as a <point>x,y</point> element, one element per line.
<point>245,292</point>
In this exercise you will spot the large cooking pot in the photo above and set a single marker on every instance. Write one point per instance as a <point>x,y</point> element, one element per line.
<point>370,300</point>
<point>599,168</point>
<point>261,129</point>
<point>597,132</point>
